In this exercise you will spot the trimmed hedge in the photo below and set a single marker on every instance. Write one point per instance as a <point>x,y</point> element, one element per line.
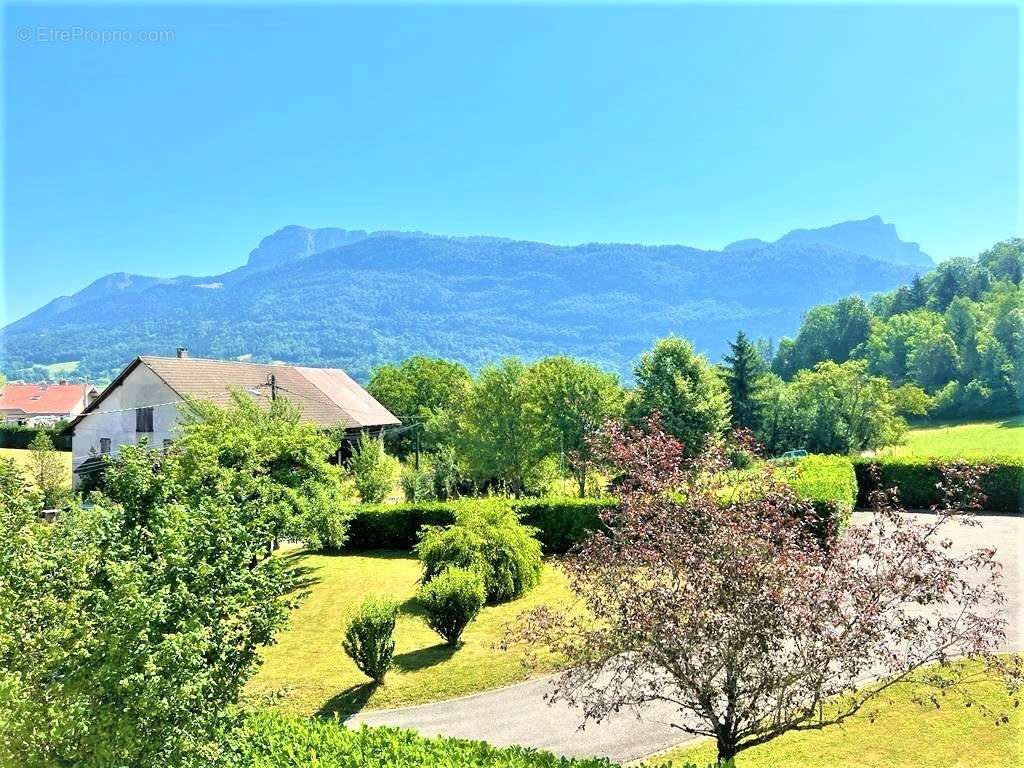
<point>18,436</point>
<point>830,484</point>
<point>560,523</point>
<point>828,481</point>
<point>915,477</point>
<point>272,740</point>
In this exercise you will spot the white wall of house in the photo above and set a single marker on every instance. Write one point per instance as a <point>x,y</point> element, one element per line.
<point>115,417</point>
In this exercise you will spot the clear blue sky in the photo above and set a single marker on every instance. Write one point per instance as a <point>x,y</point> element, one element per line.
<point>687,124</point>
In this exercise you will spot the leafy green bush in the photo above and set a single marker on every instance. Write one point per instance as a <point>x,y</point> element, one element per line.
<point>452,600</point>
<point>740,458</point>
<point>273,740</point>
<point>49,472</point>
<point>324,527</point>
<point>417,484</point>
<point>446,473</point>
<point>559,523</point>
<point>916,479</point>
<point>830,484</point>
<point>369,638</point>
<point>372,469</point>
<point>491,539</point>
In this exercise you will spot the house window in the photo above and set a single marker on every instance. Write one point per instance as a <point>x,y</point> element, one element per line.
<point>104,445</point>
<point>144,419</point>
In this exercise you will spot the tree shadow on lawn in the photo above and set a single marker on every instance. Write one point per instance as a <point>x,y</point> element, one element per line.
<point>348,702</point>
<point>303,576</point>
<point>413,661</point>
<point>411,606</point>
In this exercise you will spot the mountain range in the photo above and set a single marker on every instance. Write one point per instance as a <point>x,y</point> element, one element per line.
<point>356,299</point>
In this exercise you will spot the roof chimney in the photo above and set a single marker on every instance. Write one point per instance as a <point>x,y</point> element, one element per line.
<point>182,352</point>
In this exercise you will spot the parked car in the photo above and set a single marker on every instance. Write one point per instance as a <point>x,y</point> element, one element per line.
<point>790,456</point>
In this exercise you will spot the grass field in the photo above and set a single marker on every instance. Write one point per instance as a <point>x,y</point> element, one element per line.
<point>59,369</point>
<point>307,672</point>
<point>904,734</point>
<point>22,458</point>
<point>979,438</point>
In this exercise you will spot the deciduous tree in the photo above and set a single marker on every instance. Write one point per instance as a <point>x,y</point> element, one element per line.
<point>737,617</point>
<point>573,399</point>
<point>127,629</point>
<point>501,433</point>
<point>430,391</point>
<point>680,385</point>
<point>49,472</point>
<point>268,460</point>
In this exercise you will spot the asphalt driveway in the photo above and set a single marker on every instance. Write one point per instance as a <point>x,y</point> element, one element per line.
<point>519,714</point>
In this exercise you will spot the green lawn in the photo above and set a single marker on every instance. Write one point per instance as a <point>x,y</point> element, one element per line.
<point>904,735</point>
<point>980,438</point>
<point>22,458</point>
<point>307,672</point>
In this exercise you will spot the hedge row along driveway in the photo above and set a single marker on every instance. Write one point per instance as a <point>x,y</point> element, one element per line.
<point>916,479</point>
<point>828,481</point>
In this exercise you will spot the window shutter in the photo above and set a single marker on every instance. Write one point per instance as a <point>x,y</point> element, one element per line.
<point>144,419</point>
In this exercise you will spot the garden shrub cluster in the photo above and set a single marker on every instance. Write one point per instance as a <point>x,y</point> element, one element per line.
<point>830,484</point>
<point>916,479</point>
<point>489,539</point>
<point>559,522</point>
<point>273,740</point>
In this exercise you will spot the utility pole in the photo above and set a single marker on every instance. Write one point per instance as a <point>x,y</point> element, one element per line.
<point>417,428</point>
<point>272,383</point>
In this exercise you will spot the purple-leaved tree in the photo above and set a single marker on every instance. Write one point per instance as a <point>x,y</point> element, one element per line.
<point>728,607</point>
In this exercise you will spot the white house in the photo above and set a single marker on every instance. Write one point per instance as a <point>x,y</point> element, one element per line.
<point>45,403</point>
<point>145,401</point>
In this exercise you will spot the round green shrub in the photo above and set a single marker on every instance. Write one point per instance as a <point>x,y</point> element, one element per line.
<point>487,538</point>
<point>369,638</point>
<point>452,600</point>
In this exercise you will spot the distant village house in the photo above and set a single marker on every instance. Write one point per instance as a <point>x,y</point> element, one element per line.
<point>44,404</point>
<point>146,398</point>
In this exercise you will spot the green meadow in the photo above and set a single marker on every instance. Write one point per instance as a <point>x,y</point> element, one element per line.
<point>1003,437</point>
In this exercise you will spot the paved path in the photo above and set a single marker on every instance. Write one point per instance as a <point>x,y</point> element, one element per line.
<point>520,715</point>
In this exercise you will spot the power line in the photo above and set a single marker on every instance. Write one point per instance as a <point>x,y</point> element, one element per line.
<point>132,408</point>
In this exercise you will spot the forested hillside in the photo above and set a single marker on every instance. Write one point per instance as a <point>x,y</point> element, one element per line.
<point>957,332</point>
<point>356,300</point>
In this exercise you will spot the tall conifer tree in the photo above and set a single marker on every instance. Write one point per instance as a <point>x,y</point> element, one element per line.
<point>744,368</point>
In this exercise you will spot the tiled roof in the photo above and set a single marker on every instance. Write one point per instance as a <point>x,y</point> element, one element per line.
<point>327,396</point>
<point>43,398</point>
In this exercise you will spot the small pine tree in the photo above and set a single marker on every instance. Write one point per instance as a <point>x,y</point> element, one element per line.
<point>48,472</point>
<point>744,368</point>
